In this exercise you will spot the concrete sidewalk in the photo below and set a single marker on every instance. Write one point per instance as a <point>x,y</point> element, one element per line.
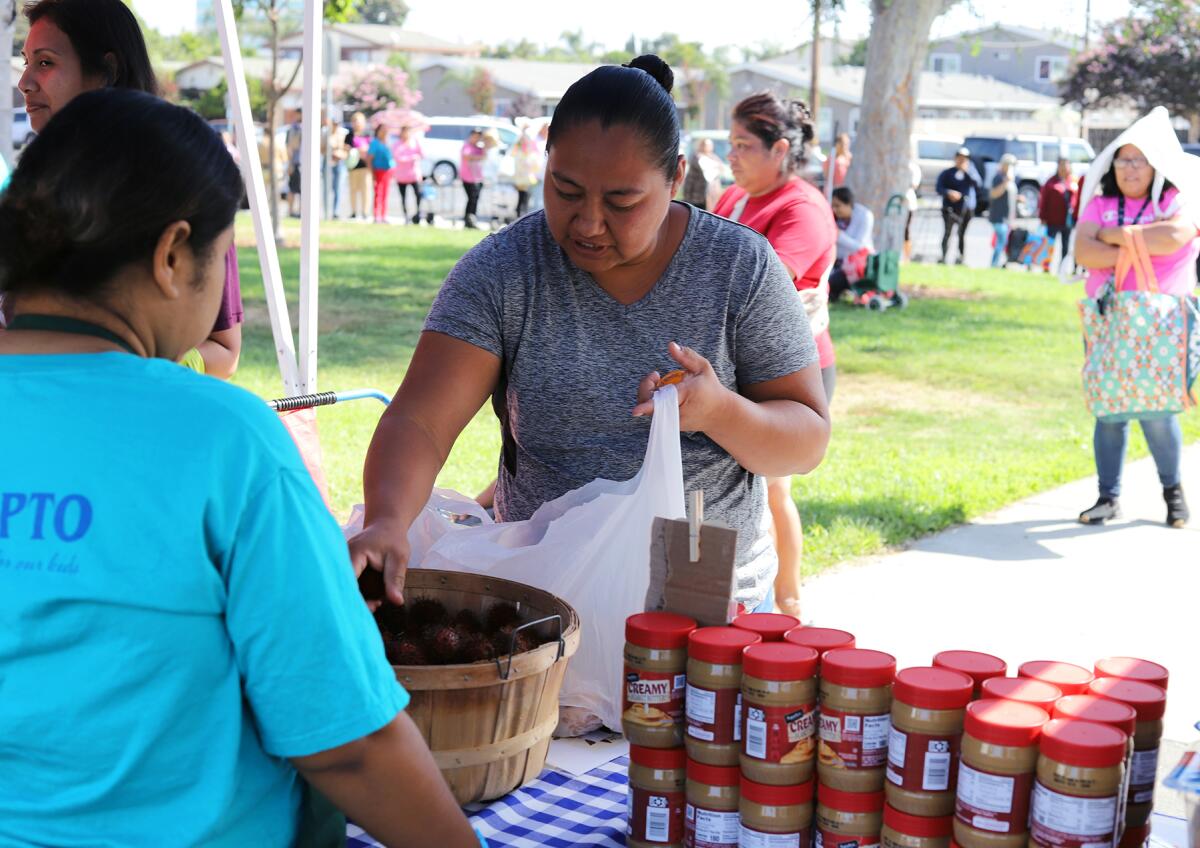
<point>1029,582</point>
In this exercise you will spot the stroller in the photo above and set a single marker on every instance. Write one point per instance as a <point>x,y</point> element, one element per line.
<point>878,286</point>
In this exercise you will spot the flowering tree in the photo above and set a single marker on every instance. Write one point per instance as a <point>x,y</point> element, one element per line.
<point>482,90</point>
<point>1151,58</point>
<point>382,92</point>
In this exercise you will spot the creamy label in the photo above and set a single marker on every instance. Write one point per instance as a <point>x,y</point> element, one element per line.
<point>779,734</point>
<point>853,741</point>
<point>1069,821</point>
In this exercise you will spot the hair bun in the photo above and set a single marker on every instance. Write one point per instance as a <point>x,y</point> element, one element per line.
<point>802,117</point>
<point>656,68</point>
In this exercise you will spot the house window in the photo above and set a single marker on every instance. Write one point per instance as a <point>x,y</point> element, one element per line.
<point>356,54</point>
<point>945,63</point>
<point>855,113</point>
<point>1003,55</point>
<point>1051,68</point>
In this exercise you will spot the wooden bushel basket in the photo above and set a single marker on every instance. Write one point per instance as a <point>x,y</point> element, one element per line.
<point>488,724</point>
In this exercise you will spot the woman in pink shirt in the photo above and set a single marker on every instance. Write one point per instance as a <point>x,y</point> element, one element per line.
<point>408,155</point>
<point>474,152</point>
<point>1125,199</point>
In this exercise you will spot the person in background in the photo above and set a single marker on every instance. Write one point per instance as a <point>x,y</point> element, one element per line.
<point>702,185</point>
<point>293,141</point>
<point>768,144</point>
<point>144,668</point>
<point>911,203</point>
<point>1169,227</point>
<point>537,194</point>
<point>1058,204</point>
<point>334,138</point>
<point>841,159</point>
<point>959,188</point>
<point>75,46</point>
<point>527,166</point>
<point>379,156</point>
<point>408,154</point>
<point>856,226</point>
<point>472,157</point>
<point>3,174</point>
<point>1002,208</point>
<point>360,168</point>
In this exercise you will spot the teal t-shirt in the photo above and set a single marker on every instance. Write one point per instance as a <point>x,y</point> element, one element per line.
<point>178,614</point>
<point>381,156</point>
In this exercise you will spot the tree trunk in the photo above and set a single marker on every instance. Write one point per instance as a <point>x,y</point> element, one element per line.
<point>8,14</point>
<point>814,79</point>
<point>896,54</point>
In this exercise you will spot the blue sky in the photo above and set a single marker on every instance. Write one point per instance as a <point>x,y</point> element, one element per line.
<point>612,22</point>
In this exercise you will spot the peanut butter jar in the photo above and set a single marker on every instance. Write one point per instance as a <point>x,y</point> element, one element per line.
<point>714,694</point>
<point>1103,711</point>
<point>848,819</point>
<point>775,816</point>
<point>977,666</point>
<point>779,702</point>
<point>657,797</point>
<point>928,709</point>
<point>1026,690</point>
<point>711,817</point>
<point>1132,668</point>
<point>1150,704</point>
<point>1070,679</point>
<point>820,639</point>
<point>1080,775</point>
<point>655,678</point>
<point>998,762</point>
<point>856,706</point>
<point>901,830</point>
<point>771,626</point>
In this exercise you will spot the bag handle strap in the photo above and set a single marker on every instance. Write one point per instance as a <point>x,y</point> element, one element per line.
<point>1142,253</point>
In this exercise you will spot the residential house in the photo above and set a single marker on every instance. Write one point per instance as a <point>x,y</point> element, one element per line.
<point>1030,58</point>
<point>196,77</point>
<point>378,43</point>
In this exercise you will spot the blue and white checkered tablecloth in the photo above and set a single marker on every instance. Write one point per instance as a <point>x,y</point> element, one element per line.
<point>556,811</point>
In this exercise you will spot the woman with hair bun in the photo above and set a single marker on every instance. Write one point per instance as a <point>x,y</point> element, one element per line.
<point>768,144</point>
<point>567,318</point>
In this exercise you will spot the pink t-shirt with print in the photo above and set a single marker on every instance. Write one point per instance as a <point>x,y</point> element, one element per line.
<point>1175,271</point>
<point>471,169</point>
<point>408,162</point>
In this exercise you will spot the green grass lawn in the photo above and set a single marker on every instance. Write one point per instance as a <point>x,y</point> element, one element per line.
<point>965,401</point>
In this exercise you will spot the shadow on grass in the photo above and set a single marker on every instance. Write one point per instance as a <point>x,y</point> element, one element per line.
<point>893,521</point>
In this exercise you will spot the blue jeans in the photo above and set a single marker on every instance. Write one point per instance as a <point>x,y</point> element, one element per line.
<point>768,604</point>
<point>999,255</point>
<point>1164,437</point>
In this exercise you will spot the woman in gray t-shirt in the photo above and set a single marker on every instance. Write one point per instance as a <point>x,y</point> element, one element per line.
<point>566,319</point>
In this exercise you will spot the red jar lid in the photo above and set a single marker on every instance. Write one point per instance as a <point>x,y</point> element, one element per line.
<point>858,667</point>
<point>771,626</point>
<point>1070,679</point>
<point>1135,837</point>
<point>1149,700</point>
<point>778,796</point>
<point>850,802</point>
<point>1083,743</point>
<point>1100,710</point>
<point>933,688</point>
<point>1039,693</point>
<point>979,667</point>
<point>920,826</point>
<point>667,759</point>
<point>720,645</point>
<point>664,630</point>
<point>822,638</point>
<point>1131,668</point>
<point>1007,723</point>
<point>779,661</point>
<point>713,775</point>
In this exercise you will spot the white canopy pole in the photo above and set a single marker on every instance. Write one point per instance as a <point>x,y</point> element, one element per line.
<point>310,192</point>
<point>268,257</point>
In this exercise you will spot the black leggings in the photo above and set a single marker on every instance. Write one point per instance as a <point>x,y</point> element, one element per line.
<point>416,193</point>
<point>949,218</point>
<point>472,190</point>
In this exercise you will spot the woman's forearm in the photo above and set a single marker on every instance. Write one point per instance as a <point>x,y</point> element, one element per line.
<point>774,438</point>
<point>1166,237</point>
<point>401,468</point>
<point>1094,254</point>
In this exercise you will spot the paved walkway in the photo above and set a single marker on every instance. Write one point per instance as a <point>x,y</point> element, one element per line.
<point>1029,582</point>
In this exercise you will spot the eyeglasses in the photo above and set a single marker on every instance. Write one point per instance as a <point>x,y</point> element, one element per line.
<point>1132,164</point>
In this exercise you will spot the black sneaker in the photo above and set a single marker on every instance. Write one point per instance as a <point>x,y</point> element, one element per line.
<point>1105,509</point>
<point>1177,509</point>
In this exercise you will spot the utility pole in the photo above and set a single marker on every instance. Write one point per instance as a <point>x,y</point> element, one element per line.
<point>814,79</point>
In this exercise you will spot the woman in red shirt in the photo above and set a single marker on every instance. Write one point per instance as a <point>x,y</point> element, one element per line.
<point>768,141</point>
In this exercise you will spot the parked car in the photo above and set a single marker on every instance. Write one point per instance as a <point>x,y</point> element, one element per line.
<point>443,140</point>
<point>21,132</point>
<point>934,154</point>
<point>1037,161</point>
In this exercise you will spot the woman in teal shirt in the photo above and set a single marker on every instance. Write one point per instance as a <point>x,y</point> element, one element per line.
<point>183,649</point>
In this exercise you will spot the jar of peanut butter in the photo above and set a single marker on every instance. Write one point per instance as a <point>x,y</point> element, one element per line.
<point>1132,668</point>
<point>771,626</point>
<point>714,694</point>
<point>657,797</point>
<point>901,830</point>
<point>928,707</point>
<point>1026,690</point>
<point>711,817</point>
<point>779,702</point>
<point>1103,711</point>
<point>998,761</point>
<point>848,819</point>
<point>1080,774</point>
<point>775,816</point>
<point>655,668</point>
<point>977,666</point>
<point>1070,679</point>
<point>1150,704</point>
<point>856,706</point>
<point>821,639</point>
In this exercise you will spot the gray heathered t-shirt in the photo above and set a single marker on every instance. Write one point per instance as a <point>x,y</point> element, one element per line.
<point>572,358</point>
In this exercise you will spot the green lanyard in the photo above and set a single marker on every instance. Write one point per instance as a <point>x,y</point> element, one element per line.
<point>63,324</point>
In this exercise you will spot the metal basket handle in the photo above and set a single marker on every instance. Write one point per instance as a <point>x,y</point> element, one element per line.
<point>505,671</point>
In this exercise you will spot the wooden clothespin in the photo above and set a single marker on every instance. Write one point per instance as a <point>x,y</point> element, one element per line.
<point>695,521</point>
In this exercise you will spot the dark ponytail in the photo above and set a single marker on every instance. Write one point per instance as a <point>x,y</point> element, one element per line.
<point>95,190</point>
<point>636,95</point>
<point>106,36</point>
<point>771,119</point>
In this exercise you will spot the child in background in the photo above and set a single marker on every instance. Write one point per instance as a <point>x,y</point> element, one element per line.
<point>379,155</point>
<point>408,171</point>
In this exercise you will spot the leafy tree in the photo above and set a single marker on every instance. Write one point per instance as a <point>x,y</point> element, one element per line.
<point>523,49</point>
<point>390,12</point>
<point>858,54</point>
<point>524,105</point>
<point>1151,58</point>
<point>482,90</point>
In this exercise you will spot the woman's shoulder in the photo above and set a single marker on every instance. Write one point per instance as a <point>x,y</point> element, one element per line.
<point>734,242</point>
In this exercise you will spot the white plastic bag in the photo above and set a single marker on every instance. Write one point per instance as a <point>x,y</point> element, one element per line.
<point>590,547</point>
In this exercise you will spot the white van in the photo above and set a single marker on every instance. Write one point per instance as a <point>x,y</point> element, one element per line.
<point>442,144</point>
